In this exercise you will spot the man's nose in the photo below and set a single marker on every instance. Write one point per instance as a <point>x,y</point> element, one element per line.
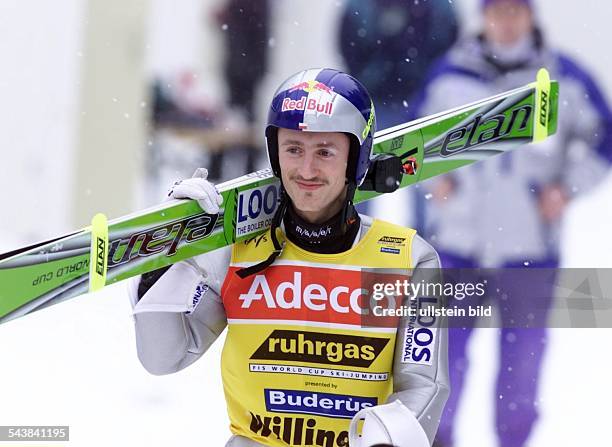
<point>308,166</point>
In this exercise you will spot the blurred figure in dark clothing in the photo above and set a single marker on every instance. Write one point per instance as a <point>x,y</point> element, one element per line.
<point>389,46</point>
<point>246,31</point>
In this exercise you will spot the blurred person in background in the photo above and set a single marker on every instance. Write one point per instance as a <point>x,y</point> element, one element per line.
<point>246,26</point>
<point>390,44</point>
<point>506,212</point>
<point>194,124</point>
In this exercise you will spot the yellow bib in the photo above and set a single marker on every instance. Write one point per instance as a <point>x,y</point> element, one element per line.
<point>298,362</point>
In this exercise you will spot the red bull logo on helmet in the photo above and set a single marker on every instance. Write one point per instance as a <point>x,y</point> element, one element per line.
<point>311,86</point>
<point>308,104</point>
<point>314,103</point>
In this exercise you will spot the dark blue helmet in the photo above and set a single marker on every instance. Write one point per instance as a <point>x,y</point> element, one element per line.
<point>325,100</point>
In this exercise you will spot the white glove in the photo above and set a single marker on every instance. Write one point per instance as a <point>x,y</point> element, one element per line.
<point>200,189</point>
<point>392,424</point>
<point>180,289</point>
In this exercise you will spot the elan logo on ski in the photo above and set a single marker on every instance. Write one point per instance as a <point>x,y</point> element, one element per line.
<point>480,132</point>
<point>161,239</point>
<point>100,250</point>
<point>544,108</point>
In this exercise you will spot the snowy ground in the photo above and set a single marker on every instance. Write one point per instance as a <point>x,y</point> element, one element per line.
<point>75,364</point>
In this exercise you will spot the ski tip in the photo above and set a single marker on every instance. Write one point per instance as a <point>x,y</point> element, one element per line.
<point>543,77</point>
<point>98,261</point>
<point>542,105</point>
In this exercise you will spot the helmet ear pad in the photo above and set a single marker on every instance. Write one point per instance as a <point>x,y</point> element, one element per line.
<point>272,144</point>
<point>353,158</point>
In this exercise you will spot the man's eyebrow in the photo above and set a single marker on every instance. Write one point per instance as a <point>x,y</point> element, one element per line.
<point>291,142</point>
<point>326,144</point>
<point>299,143</point>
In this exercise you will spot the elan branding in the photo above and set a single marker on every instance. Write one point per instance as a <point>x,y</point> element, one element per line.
<point>165,239</point>
<point>544,109</point>
<point>479,132</point>
<point>100,251</point>
<point>321,404</point>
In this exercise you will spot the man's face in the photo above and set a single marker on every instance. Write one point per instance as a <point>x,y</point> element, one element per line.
<point>507,21</point>
<point>313,170</point>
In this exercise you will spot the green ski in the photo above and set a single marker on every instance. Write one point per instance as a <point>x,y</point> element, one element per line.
<point>52,271</point>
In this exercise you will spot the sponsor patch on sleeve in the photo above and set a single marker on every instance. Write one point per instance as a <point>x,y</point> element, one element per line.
<point>199,292</point>
<point>419,344</point>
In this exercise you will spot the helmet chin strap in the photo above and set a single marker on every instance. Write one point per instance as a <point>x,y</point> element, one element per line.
<point>348,210</point>
<point>348,216</point>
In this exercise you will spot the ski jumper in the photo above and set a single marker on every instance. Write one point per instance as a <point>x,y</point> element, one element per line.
<point>297,363</point>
